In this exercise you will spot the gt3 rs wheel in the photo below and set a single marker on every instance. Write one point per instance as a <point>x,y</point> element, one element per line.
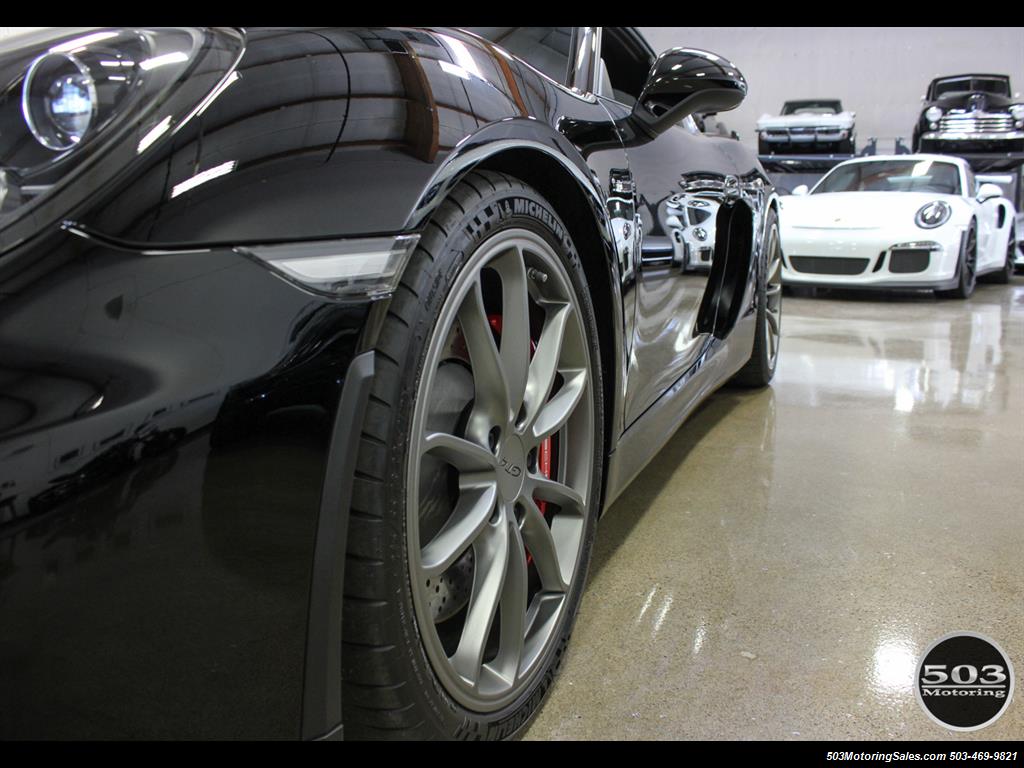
<point>479,475</point>
<point>764,357</point>
<point>967,268</point>
<point>1005,275</point>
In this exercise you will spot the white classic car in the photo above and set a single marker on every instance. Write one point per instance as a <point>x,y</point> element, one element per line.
<point>810,126</point>
<point>900,221</point>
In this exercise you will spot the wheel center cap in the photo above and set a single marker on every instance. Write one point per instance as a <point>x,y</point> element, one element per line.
<point>511,468</point>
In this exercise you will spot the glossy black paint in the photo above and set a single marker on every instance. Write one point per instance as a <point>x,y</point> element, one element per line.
<point>168,406</point>
<point>684,81</point>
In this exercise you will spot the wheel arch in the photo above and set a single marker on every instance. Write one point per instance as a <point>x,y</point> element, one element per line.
<point>580,205</point>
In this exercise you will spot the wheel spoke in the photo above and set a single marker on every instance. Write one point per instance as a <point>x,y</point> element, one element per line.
<point>773,322</point>
<point>513,608</point>
<point>556,412</point>
<point>464,455</point>
<point>463,527</point>
<point>487,396</point>
<point>491,553</point>
<point>541,543</point>
<point>544,365</point>
<point>515,323</point>
<point>491,403</point>
<point>558,493</point>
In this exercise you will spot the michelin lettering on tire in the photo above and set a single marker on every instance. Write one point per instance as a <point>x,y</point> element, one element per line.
<point>521,206</point>
<point>964,681</point>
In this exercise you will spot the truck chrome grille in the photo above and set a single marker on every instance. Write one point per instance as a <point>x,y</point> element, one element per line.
<point>976,122</point>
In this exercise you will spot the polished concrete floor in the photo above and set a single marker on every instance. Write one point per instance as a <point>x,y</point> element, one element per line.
<point>777,570</point>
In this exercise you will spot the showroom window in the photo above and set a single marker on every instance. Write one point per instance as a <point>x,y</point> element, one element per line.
<point>626,65</point>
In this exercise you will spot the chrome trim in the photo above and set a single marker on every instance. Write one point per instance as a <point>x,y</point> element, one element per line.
<point>800,135</point>
<point>959,121</point>
<point>972,135</point>
<point>917,246</point>
<point>585,64</point>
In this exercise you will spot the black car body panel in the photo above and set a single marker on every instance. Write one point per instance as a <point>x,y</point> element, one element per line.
<point>174,415</point>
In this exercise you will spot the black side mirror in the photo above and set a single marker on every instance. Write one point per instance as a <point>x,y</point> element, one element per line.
<point>683,81</point>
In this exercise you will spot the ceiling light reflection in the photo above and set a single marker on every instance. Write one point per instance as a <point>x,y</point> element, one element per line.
<point>203,177</point>
<point>82,42</point>
<point>893,666</point>
<point>454,69</point>
<point>174,57</point>
<point>154,133</point>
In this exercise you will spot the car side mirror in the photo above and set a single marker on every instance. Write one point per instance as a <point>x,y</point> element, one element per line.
<point>683,81</point>
<point>988,191</point>
<point>801,190</point>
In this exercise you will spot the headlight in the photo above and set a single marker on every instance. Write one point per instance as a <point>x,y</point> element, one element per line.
<point>1017,110</point>
<point>66,95</point>
<point>933,114</point>
<point>933,215</point>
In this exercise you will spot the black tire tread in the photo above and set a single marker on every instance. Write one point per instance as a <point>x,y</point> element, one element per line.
<point>757,372</point>
<point>375,703</point>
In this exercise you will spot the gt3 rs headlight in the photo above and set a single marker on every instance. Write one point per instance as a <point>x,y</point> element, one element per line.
<point>933,114</point>
<point>66,95</point>
<point>933,214</point>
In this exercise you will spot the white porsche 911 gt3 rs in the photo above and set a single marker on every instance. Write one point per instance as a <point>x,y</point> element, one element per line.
<point>900,221</point>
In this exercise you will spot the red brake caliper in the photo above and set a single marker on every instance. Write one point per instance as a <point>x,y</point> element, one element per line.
<point>544,454</point>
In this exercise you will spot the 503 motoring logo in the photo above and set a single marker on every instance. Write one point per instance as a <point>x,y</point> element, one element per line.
<point>964,681</point>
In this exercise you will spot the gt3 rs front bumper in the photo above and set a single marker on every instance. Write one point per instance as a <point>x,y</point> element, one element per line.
<point>910,258</point>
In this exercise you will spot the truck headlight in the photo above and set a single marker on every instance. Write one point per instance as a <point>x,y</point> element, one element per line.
<point>933,114</point>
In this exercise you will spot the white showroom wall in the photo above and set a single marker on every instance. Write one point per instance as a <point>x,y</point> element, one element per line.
<point>878,72</point>
<point>11,31</point>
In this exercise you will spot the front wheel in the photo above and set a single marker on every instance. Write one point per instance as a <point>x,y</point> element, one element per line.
<point>1005,275</point>
<point>967,268</point>
<point>479,475</point>
<point>764,357</point>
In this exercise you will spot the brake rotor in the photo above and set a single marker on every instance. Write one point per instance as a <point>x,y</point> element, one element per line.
<point>451,590</point>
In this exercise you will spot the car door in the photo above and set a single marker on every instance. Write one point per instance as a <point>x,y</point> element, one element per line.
<point>681,179</point>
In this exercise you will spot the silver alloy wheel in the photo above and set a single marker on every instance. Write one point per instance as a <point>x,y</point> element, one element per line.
<point>773,297</point>
<point>492,528</point>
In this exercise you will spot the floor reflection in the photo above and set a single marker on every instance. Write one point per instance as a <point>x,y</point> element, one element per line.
<point>779,567</point>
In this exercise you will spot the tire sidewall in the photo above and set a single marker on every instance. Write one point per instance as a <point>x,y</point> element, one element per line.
<point>502,209</point>
<point>967,288</point>
<point>761,338</point>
